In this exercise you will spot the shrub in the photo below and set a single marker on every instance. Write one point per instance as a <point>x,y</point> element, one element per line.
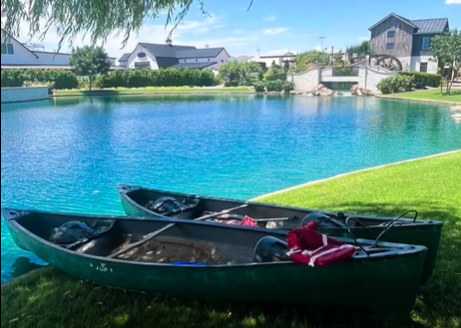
<point>288,86</point>
<point>398,83</point>
<point>275,86</point>
<point>423,80</point>
<point>385,86</point>
<point>259,86</point>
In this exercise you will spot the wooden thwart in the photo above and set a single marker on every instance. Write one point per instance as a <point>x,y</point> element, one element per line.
<point>154,234</point>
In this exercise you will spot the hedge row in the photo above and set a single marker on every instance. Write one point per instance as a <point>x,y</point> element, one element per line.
<point>57,79</point>
<point>159,78</point>
<point>63,79</point>
<point>423,80</point>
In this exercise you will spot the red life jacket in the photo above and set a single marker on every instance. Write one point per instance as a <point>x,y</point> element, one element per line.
<point>309,247</point>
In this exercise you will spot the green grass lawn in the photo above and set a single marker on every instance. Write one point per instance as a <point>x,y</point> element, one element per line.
<point>48,298</point>
<point>432,95</point>
<point>147,91</point>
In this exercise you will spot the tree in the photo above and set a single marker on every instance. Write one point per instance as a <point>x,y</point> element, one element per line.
<point>447,51</point>
<point>244,74</point>
<point>361,49</point>
<point>90,61</point>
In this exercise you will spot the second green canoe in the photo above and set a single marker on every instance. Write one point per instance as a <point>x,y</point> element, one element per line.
<point>153,203</point>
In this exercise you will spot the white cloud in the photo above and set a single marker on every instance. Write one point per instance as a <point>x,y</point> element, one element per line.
<point>364,38</point>
<point>276,31</point>
<point>453,2</point>
<point>272,18</point>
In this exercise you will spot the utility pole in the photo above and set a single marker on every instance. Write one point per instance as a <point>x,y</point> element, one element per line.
<point>321,43</point>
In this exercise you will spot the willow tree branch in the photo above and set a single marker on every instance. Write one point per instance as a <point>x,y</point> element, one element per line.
<point>98,18</point>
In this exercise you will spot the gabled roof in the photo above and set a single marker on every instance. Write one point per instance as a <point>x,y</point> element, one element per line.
<point>199,53</point>
<point>193,65</point>
<point>431,26</point>
<point>403,19</point>
<point>4,34</point>
<point>164,50</point>
<point>124,57</point>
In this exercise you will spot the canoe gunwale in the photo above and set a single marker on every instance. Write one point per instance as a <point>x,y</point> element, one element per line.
<point>399,250</point>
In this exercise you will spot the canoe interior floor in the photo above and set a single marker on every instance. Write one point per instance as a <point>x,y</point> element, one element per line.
<point>173,250</point>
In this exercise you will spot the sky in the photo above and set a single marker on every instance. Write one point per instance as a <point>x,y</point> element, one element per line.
<point>273,26</point>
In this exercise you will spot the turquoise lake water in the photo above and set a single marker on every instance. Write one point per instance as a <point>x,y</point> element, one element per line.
<point>69,155</point>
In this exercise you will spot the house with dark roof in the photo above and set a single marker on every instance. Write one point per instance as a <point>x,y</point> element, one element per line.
<point>161,56</point>
<point>16,55</point>
<point>408,40</point>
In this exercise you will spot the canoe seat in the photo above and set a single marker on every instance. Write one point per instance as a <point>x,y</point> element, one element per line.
<point>270,249</point>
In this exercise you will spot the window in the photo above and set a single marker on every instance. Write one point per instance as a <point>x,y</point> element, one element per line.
<point>423,68</point>
<point>391,34</point>
<point>7,49</point>
<point>390,46</point>
<point>142,65</point>
<point>426,43</point>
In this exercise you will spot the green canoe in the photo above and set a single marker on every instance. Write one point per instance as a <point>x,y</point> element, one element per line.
<point>211,261</point>
<point>136,200</point>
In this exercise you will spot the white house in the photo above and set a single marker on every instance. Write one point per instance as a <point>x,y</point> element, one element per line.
<point>17,55</point>
<point>158,56</point>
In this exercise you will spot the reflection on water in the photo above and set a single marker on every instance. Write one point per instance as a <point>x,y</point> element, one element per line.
<point>56,154</point>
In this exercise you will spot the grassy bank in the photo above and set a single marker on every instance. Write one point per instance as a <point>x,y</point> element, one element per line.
<point>48,298</point>
<point>148,91</point>
<point>432,95</point>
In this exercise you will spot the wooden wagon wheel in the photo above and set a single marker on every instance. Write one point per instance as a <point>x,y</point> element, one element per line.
<point>390,63</point>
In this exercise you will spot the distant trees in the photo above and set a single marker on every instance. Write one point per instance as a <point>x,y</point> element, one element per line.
<point>447,51</point>
<point>362,49</point>
<point>306,59</point>
<point>235,73</point>
<point>90,61</point>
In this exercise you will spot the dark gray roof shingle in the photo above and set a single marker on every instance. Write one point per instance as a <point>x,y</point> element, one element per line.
<point>124,57</point>
<point>431,26</point>
<point>164,50</point>
<point>165,62</point>
<point>199,53</point>
<point>193,65</point>
<point>406,20</point>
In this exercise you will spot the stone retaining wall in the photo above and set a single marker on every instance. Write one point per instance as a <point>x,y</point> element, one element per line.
<point>368,78</point>
<point>15,95</point>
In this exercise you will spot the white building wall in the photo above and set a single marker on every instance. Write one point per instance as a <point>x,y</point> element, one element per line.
<point>432,65</point>
<point>220,60</point>
<point>21,56</point>
<point>134,58</point>
<point>49,58</point>
<point>406,63</point>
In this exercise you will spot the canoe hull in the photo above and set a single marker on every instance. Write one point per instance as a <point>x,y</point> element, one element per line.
<point>427,234</point>
<point>380,288</point>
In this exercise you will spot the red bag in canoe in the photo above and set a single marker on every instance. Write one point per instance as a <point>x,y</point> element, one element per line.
<point>308,246</point>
